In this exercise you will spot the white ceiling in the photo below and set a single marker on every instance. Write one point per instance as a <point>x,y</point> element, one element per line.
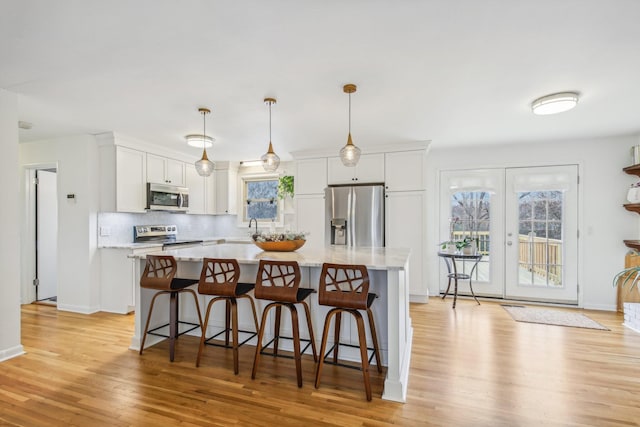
<point>456,72</point>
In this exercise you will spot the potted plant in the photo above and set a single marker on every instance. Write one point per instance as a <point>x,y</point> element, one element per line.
<point>285,186</point>
<point>629,277</point>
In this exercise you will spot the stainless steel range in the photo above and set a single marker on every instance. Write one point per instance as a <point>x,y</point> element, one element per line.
<point>165,234</point>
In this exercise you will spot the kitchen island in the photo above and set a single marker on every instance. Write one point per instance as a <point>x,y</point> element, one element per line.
<point>388,271</point>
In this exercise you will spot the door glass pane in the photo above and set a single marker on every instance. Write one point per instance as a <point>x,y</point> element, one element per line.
<point>540,238</point>
<point>471,217</point>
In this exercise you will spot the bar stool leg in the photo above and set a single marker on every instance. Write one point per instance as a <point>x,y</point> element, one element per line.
<point>374,337</point>
<point>234,332</point>
<point>253,310</point>
<point>296,342</point>
<point>323,345</point>
<point>336,336</point>
<point>204,330</point>
<point>363,352</point>
<point>276,338</point>
<point>173,323</point>
<point>227,321</point>
<point>310,327</point>
<point>146,327</point>
<point>263,323</point>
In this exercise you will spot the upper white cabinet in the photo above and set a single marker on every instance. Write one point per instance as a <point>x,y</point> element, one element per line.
<point>370,169</point>
<point>123,177</point>
<point>226,188</point>
<point>404,170</point>
<point>197,191</point>
<point>165,171</point>
<point>311,177</point>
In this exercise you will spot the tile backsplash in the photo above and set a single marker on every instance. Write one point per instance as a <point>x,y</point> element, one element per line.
<point>117,228</point>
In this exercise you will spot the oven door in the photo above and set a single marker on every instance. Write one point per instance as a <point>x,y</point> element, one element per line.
<point>162,197</point>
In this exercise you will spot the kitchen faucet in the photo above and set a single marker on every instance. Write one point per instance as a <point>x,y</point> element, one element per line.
<point>256,221</point>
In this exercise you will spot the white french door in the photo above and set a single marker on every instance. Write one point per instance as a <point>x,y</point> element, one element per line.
<point>541,224</point>
<point>472,203</point>
<point>525,221</point>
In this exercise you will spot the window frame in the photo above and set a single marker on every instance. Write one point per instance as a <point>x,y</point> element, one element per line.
<point>252,177</point>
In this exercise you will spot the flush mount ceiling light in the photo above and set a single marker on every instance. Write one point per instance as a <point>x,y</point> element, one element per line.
<point>270,160</point>
<point>350,154</point>
<point>555,103</point>
<point>204,166</point>
<point>197,140</point>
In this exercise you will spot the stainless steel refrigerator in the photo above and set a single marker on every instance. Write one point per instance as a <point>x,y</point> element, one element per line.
<point>355,215</point>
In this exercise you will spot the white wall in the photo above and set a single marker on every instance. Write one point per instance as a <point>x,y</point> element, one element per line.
<point>10,218</point>
<point>604,223</point>
<point>76,158</point>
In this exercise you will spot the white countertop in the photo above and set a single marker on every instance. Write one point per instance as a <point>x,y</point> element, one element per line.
<point>372,258</point>
<point>205,240</point>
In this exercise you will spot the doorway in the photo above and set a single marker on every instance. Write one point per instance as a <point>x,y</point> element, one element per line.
<point>46,236</point>
<point>524,222</point>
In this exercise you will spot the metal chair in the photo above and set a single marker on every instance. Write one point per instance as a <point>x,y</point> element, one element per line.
<point>279,282</point>
<point>159,274</point>
<point>346,289</point>
<point>219,278</point>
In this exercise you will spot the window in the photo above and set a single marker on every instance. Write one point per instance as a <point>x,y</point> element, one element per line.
<point>260,198</point>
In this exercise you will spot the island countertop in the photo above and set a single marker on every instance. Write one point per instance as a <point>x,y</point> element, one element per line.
<point>372,258</point>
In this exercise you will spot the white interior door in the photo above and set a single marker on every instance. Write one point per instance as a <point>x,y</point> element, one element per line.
<point>472,204</point>
<point>46,235</point>
<point>541,221</point>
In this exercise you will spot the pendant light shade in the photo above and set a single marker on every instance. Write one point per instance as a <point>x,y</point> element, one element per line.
<point>350,154</point>
<point>270,160</point>
<point>204,166</point>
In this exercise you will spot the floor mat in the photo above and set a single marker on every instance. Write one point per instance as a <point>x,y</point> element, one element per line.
<point>551,317</point>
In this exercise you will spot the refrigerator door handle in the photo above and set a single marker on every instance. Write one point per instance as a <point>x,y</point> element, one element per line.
<point>352,215</point>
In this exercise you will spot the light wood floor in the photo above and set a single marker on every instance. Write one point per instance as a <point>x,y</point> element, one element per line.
<point>473,366</point>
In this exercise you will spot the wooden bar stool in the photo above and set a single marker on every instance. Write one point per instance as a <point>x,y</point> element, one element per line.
<point>346,289</point>
<point>278,282</point>
<point>219,278</point>
<point>159,274</point>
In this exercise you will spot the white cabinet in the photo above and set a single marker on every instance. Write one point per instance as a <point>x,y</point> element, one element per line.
<point>123,179</point>
<point>404,170</point>
<point>165,171</point>
<point>226,188</point>
<point>370,169</point>
<point>311,176</point>
<point>197,191</point>
<point>405,228</point>
<point>310,218</point>
<point>118,278</point>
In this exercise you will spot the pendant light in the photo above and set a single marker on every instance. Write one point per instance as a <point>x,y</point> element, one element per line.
<point>270,160</point>
<point>350,154</point>
<point>204,166</point>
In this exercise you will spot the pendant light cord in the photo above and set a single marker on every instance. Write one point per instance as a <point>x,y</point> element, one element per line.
<point>204,130</point>
<point>270,103</point>
<point>349,112</point>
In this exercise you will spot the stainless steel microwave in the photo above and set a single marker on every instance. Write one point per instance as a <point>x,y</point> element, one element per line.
<point>162,197</point>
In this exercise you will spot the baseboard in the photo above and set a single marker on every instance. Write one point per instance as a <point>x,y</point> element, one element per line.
<point>423,299</point>
<point>78,309</point>
<point>603,307</point>
<point>12,352</point>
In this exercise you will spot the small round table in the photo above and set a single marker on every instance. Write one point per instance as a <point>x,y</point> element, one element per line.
<point>450,261</point>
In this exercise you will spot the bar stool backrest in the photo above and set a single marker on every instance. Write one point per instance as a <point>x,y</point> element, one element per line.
<point>219,277</point>
<point>159,272</point>
<point>344,285</point>
<point>278,281</point>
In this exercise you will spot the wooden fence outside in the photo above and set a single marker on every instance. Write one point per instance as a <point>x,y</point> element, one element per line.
<point>537,254</point>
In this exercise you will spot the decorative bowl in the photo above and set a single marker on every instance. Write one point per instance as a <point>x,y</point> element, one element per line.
<point>281,246</point>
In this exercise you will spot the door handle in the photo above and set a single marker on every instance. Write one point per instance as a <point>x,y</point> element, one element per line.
<point>509,243</point>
